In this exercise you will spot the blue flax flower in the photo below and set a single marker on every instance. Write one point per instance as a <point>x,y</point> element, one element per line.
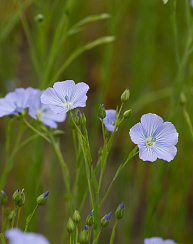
<point>15,102</point>
<point>17,236</point>
<point>109,120</point>
<point>191,3</point>
<point>158,240</point>
<point>155,138</point>
<point>65,95</point>
<point>40,111</point>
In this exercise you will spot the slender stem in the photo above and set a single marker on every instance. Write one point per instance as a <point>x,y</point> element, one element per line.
<point>87,174</point>
<point>2,238</point>
<point>77,128</point>
<point>18,217</point>
<point>70,238</point>
<point>76,237</point>
<point>35,130</point>
<point>96,240</point>
<point>14,214</point>
<point>74,140</point>
<point>2,217</point>
<point>188,120</point>
<point>63,166</point>
<point>116,175</point>
<point>103,130</point>
<point>29,218</point>
<point>113,232</point>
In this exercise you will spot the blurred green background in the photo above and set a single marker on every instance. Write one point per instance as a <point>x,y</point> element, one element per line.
<point>41,43</point>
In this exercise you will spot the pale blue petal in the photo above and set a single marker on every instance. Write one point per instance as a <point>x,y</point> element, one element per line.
<point>154,240</point>
<point>50,97</point>
<point>6,108</point>
<point>46,114</point>
<point>59,109</point>
<point>151,123</point>
<point>109,120</point>
<point>16,236</point>
<point>167,134</point>
<point>137,134</point>
<point>78,97</point>
<point>50,123</point>
<point>147,153</point>
<point>165,152</point>
<point>169,241</point>
<point>64,88</point>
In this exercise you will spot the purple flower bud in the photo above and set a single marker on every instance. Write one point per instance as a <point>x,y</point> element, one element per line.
<point>108,216</point>
<point>78,114</point>
<point>122,206</point>
<point>46,194</point>
<point>127,88</point>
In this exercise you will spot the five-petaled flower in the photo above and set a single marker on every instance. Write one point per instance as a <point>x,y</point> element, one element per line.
<point>158,240</point>
<point>17,236</point>
<point>155,138</point>
<point>65,95</point>
<point>40,111</point>
<point>15,102</point>
<point>109,120</point>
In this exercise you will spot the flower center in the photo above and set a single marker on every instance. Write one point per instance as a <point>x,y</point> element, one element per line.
<point>39,114</point>
<point>150,141</point>
<point>67,104</point>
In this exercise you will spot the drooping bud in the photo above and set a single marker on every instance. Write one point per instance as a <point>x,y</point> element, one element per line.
<point>76,216</point>
<point>101,111</point>
<point>127,114</point>
<point>90,218</point>
<point>70,225</point>
<point>3,198</point>
<point>42,198</point>
<point>125,95</point>
<point>106,220</point>
<point>120,211</point>
<point>84,235</point>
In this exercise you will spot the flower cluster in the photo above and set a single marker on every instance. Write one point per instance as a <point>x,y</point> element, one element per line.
<point>49,106</point>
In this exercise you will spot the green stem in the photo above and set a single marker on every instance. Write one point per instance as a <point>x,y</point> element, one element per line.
<point>14,214</point>
<point>96,240</point>
<point>188,121</point>
<point>87,174</point>
<point>64,168</point>
<point>2,217</point>
<point>113,232</point>
<point>131,155</point>
<point>2,238</point>
<point>35,130</point>
<point>18,217</point>
<point>76,237</point>
<point>29,218</point>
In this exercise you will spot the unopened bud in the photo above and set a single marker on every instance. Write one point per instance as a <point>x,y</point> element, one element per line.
<point>125,95</point>
<point>76,216</point>
<point>106,220</point>
<point>70,225</point>
<point>19,197</point>
<point>120,211</point>
<point>42,198</point>
<point>101,111</point>
<point>127,114</point>
<point>84,235</point>
<point>90,218</point>
<point>3,198</point>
